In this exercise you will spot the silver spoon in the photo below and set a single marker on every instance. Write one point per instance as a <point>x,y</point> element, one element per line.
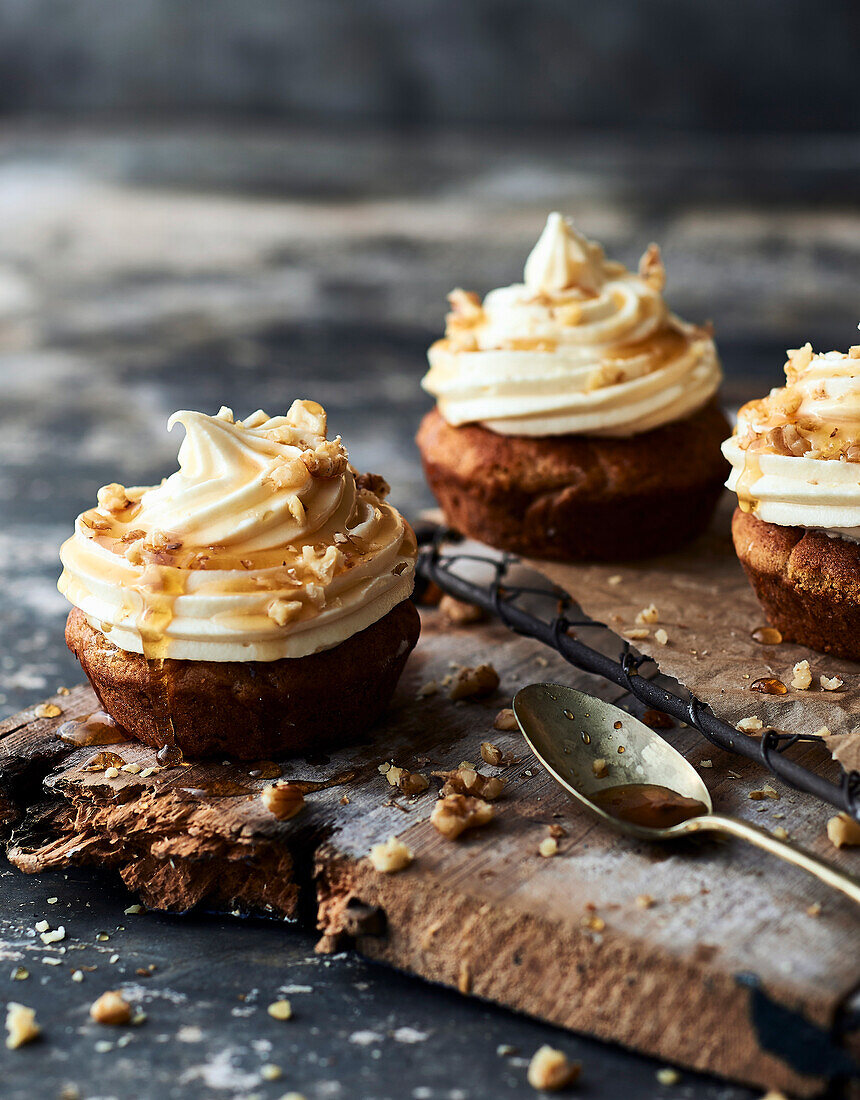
<point>591,747</point>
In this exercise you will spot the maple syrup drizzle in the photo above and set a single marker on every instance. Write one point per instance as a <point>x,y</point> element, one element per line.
<point>160,597</point>
<point>648,804</point>
<point>96,729</point>
<point>766,635</point>
<point>769,685</point>
<point>748,477</point>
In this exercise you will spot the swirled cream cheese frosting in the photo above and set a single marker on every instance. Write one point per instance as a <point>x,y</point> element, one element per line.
<point>264,544</point>
<point>582,346</point>
<point>795,454</point>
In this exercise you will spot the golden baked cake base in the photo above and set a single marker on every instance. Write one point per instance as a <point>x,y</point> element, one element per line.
<point>255,709</point>
<point>575,498</point>
<point>807,583</point>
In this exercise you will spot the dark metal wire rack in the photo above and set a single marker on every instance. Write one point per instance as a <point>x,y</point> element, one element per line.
<point>440,561</point>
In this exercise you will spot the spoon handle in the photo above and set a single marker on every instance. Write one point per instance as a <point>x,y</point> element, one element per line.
<point>763,839</point>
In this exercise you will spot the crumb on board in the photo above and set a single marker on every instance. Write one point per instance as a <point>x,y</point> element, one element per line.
<point>550,1070</point>
<point>390,856</point>
<point>21,1026</point>
<point>843,831</point>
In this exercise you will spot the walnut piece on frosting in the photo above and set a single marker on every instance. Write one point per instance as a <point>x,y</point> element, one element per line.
<point>651,268</point>
<point>307,416</point>
<point>282,611</point>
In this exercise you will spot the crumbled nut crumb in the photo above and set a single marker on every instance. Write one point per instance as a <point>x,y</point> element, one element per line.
<point>548,847</point>
<point>780,833</point>
<point>77,975</point>
<point>764,792</point>
<point>823,732</point>
<point>48,710</point>
<point>593,923</point>
<point>20,974</point>
<point>750,725</point>
<point>41,926</point>
<point>505,720</point>
<point>556,831</point>
<point>111,1009</point>
<point>464,978</point>
<point>132,769</point>
<point>460,613</point>
<point>651,268</point>
<point>391,856</point>
<point>282,611</point>
<point>801,678</point>
<point>53,937</point>
<point>600,767</point>
<point>271,1072</point>
<point>814,910</point>
<point>111,773</point>
<point>843,831</point>
<point>490,753</point>
<point>706,763</point>
<point>133,910</point>
<point>473,683</point>
<point>668,1076</point>
<point>550,1070</point>
<point>648,614</point>
<point>21,1026</point>
<point>657,720</point>
<point>615,579</point>
<point>661,637</point>
<point>280,1010</point>
<point>466,779</point>
<point>283,800</point>
<point>455,813</point>
<point>831,683</point>
<point>644,901</point>
<point>636,633</point>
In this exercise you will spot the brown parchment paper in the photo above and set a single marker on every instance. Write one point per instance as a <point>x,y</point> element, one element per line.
<point>709,611</point>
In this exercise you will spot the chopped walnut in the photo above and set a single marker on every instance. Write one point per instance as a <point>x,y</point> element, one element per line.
<point>466,310</point>
<point>21,1026</point>
<point>455,813</point>
<point>467,780</point>
<point>843,831</point>
<point>307,416</point>
<point>408,782</point>
<point>636,633</point>
<point>661,637</point>
<point>798,360</point>
<point>831,683</point>
<point>648,614</point>
<point>289,474</point>
<point>280,1010</point>
<point>459,612</point>
<point>111,1009</point>
<point>283,800</point>
<point>668,1076</point>
<point>373,483</point>
<point>750,725</point>
<point>390,857</point>
<point>322,566</point>
<point>801,678</point>
<point>550,1070</point>
<point>490,753</point>
<point>644,901</point>
<point>505,720</point>
<point>327,459</point>
<point>113,497</point>
<point>548,847</point>
<point>297,509</point>
<point>651,268</point>
<point>282,611</point>
<point>764,792</point>
<point>556,831</point>
<point>600,768</point>
<point>473,683</point>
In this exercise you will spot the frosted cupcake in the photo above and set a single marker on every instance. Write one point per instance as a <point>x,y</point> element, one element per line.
<point>576,417</point>
<point>254,603</point>
<point>795,458</point>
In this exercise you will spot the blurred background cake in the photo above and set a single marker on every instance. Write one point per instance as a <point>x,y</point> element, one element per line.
<point>576,417</point>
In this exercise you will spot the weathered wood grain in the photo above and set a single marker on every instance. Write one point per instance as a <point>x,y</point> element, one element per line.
<point>486,914</point>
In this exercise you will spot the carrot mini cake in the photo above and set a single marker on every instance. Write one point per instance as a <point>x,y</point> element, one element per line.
<point>254,603</point>
<point>576,417</point>
<point>795,458</point>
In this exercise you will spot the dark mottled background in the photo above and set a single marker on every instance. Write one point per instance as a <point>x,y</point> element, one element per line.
<point>205,202</point>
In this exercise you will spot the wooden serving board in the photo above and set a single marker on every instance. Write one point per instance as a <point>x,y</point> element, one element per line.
<point>727,971</point>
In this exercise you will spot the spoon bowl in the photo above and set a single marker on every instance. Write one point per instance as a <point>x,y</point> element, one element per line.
<point>634,780</point>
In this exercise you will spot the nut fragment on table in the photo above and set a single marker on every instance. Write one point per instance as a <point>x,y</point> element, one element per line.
<point>505,720</point>
<point>831,683</point>
<point>111,1009</point>
<point>280,1010</point>
<point>551,1070</point>
<point>473,683</point>
<point>391,856</point>
<point>467,780</point>
<point>764,792</point>
<point>455,813</point>
<point>843,831</point>
<point>750,725</point>
<point>410,783</point>
<point>283,800</point>
<point>648,614</point>
<point>801,678</point>
<point>460,613</point>
<point>600,768</point>
<point>21,1026</point>
<point>548,847</point>
<point>490,753</point>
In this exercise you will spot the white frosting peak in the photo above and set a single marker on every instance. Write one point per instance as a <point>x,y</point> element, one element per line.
<point>563,258</point>
<point>262,545</point>
<point>582,347</point>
